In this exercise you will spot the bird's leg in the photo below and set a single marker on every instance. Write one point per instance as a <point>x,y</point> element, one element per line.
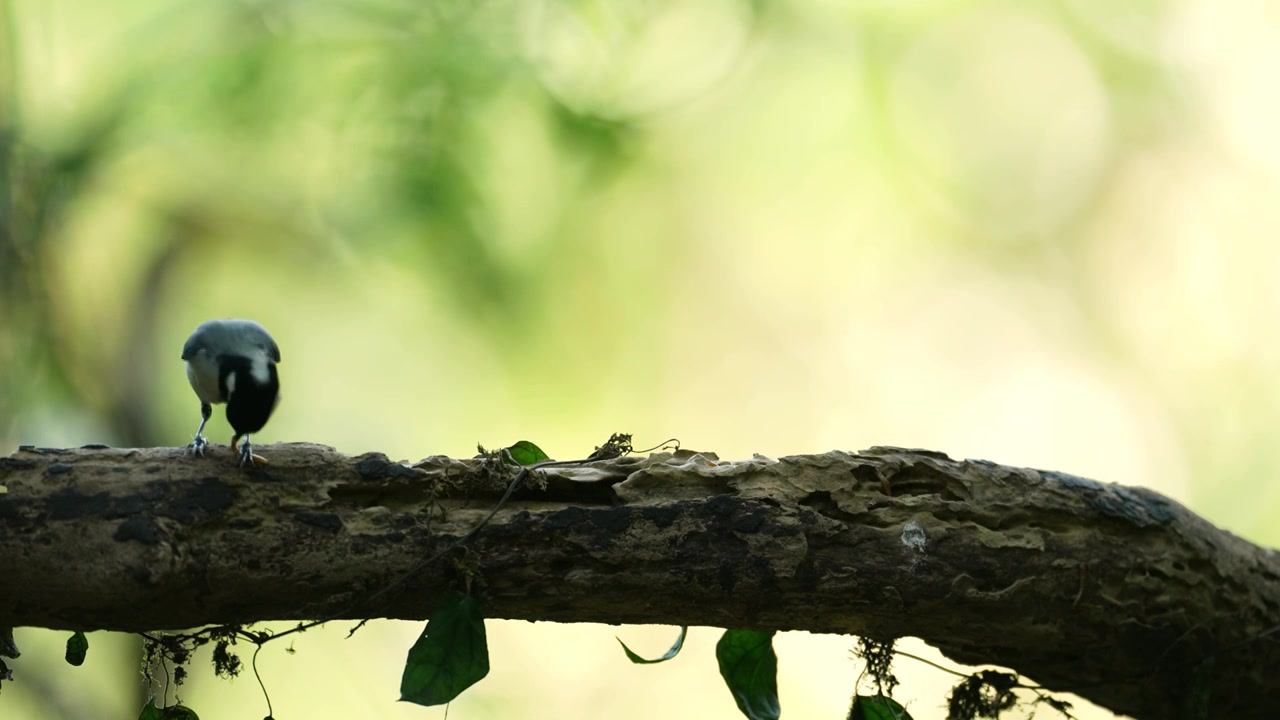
<point>245,452</point>
<point>198,445</point>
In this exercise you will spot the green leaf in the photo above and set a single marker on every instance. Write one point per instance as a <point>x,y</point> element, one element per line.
<point>173,712</point>
<point>526,453</point>
<point>675,650</point>
<point>151,712</point>
<point>450,656</point>
<point>77,646</point>
<point>877,707</point>
<point>750,669</point>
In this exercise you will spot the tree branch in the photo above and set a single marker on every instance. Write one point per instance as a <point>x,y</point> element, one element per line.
<point>1117,594</point>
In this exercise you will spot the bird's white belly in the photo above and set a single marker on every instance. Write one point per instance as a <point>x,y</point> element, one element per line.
<point>202,373</point>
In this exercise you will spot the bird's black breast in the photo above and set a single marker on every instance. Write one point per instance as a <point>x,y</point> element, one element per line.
<point>249,402</point>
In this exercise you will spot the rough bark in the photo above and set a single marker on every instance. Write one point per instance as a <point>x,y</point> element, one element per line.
<point>1117,594</point>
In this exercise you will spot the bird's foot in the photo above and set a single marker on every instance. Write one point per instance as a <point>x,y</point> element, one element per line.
<point>247,457</point>
<point>197,446</point>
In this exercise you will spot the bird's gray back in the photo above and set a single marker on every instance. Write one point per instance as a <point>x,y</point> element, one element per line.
<point>229,336</point>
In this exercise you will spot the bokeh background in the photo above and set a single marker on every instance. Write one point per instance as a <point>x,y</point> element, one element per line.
<point>1040,233</point>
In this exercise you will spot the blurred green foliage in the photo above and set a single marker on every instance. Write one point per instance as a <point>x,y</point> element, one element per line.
<point>270,120</point>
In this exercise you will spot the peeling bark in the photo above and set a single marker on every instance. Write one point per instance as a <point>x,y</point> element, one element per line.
<point>1114,593</point>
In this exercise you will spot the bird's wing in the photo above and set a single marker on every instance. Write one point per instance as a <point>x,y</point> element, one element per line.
<point>273,351</point>
<point>260,337</point>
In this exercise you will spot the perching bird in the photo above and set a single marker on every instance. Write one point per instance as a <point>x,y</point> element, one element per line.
<point>233,362</point>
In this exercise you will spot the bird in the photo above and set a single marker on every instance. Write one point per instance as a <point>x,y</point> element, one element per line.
<point>233,362</point>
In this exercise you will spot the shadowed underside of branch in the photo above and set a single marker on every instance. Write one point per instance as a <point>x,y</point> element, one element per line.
<point>1117,594</point>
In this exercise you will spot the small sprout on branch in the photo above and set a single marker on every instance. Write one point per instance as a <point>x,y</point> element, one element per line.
<point>526,453</point>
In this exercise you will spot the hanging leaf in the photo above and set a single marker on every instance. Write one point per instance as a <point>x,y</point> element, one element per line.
<point>173,712</point>
<point>8,648</point>
<point>450,656</point>
<point>77,646</point>
<point>526,453</point>
<point>750,669</point>
<point>675,650</point>
<point>151,712</point>
<point>877,707</point>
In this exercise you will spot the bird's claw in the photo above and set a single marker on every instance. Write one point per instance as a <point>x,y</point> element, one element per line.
<point>247,458</point>
<point>197,446</point>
